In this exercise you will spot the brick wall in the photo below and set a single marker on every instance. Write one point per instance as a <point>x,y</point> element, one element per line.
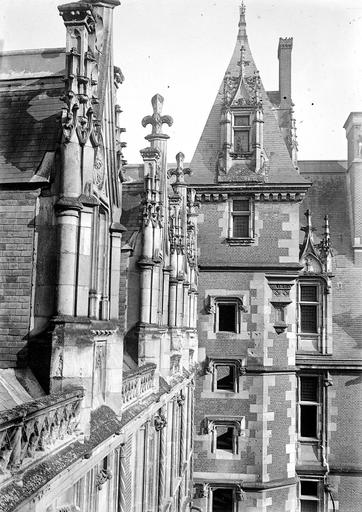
<point>17,218</point>
<point>276,235</point>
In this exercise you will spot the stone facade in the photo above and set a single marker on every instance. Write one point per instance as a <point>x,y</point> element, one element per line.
<point>98,338</point>
<point>169,340</point>
<point>278,314</point>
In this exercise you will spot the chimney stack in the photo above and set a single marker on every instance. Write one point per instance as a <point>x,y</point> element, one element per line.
<point>285,70</point>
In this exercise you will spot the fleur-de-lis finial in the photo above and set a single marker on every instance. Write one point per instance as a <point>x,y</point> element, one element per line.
<point>179,172</point>
<point>157,120</point>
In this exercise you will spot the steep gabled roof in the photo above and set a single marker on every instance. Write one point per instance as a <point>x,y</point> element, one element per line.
<point>204,161</point>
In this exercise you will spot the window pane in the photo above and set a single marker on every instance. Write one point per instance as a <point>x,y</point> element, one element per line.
<point>308,421</point>
<point>308,293</point>
<point>240,226</point>
<point>309,389</point>
<point>308,318</point>
<point>225,377</point>
<point>308,506</point>
<point>241,120</point>
<point>222,500</point>
<point>227,317</point>
<point>241,141</point>
<point>241,205</point>
<point>224,439</point>
<point>308,488</point>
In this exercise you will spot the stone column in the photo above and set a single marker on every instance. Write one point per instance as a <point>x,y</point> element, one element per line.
<point>122,479</point>
<point>165,295</point>
<point>172,302</point>
<point>67,211</point>
<point>146,281</point>
<point>160,424</point>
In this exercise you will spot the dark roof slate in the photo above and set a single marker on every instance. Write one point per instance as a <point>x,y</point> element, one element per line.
<point>30,125</point>
<point>204,161</point>
<point>329,195</point>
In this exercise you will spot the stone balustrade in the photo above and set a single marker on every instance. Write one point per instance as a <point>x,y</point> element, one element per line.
<point>29,430</point>
<point>138,384</point>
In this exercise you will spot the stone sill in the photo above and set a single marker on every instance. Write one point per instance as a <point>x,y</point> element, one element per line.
<point>240,241</point>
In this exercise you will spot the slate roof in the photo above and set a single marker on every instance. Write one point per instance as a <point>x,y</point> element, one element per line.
<point>329,195</point>
<point>203,163</point>
<point>30,107</point>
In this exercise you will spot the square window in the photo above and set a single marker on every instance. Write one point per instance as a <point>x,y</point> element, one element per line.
<point>308,421</point>
<point>309,407</point>
<point>225,377</point>
<point>222,500</point>
<point>224,438</point>
<point>240,227</point>
<point>308,293</point>
<point>241,218</point>
<point>309,488</point>
<point>309,496</point>
<point>241,120</point>
<point>308,506</point>
<point>308,318</point>
<point>241,141</point>
<point>227,316</point>
<point>309,389</point>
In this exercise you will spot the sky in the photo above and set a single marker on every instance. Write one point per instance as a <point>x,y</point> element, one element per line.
<point>181,48</point>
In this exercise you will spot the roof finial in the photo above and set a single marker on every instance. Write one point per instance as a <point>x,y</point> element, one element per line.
<point>242,22</point>
<point>157,120</point>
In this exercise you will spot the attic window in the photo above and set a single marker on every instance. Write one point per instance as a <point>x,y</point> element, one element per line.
<point>241,132</point>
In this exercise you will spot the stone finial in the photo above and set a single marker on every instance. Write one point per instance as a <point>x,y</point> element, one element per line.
<point>242,22</point>
<point>308,229</point>
<point>157,120</point>
<point>179,172</point>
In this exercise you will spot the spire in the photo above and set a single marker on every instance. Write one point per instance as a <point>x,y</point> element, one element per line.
<point>242,23</point>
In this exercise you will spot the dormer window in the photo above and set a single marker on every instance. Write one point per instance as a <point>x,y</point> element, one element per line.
<point>241,133</point>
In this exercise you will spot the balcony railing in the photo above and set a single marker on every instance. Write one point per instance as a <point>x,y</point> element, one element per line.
<point>138,384</point>
<point>29,430</point>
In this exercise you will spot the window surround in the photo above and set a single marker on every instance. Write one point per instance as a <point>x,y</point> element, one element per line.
<point>211,306</point>
<point>311,342</point>
<point>238,370</point>
<point>233,213</point>
<point>210,425</point>
<point>309,497</point>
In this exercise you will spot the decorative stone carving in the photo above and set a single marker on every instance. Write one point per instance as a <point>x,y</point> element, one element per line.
<point>181,399</point>
<point>280,300</point>
<point>156,120</point>
<point>138,385</point>
<point>211,300</point>
<point>210,362</point>
<point>240,494</point>
<point>179,172</point>
<point>82,73</point>
<point>160,422</point>
<point>102,477</point>
<point>36,427</point>
<point>316,258</point>
<point>202,490</point>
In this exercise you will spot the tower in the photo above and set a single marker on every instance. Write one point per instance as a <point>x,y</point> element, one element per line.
<point>250,191</point>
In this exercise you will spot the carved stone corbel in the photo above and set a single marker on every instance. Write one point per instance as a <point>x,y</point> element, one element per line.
<point>160,422</point>
<point>102,477</point>
<point>240,494</point>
